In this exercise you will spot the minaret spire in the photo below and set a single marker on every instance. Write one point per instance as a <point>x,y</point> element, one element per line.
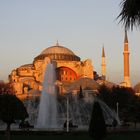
<point>125,38</point>
<point>103,64</point>
<point>126,82</point>
<point>103,51</point>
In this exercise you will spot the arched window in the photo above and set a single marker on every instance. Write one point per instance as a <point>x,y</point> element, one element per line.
<point>66,74</point>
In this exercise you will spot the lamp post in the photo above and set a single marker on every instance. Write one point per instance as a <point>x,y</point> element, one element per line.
<point>117,104</point>
<point>67,125</point>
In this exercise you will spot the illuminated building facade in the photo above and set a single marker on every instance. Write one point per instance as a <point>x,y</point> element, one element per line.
<point>69,68</point>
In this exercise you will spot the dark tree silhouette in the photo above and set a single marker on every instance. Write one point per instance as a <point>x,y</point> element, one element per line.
<point>11,109</point>
<point>97,127</point>
<point>6,88</point>
<point>80,95</point>
<point>129,103</point>
<point>105,94</point>
<point>130,13</point>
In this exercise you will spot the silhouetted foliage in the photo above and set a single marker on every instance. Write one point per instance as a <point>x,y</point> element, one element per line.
<point>130,13</point>
<point>6,88</point>
<point>11,109</point>
<point>129,103</point>
<point>97,127</point>
<point>105,94</point>
<point>80,95</point>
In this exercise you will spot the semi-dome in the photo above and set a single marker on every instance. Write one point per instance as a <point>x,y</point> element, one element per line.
<point>85,83</point>
<point>58,52</point>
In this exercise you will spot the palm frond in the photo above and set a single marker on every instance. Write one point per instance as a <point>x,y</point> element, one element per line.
<point>130,13</point>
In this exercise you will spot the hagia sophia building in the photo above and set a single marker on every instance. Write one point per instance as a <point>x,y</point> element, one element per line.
<point>71,72</point>
<point>69,69</point>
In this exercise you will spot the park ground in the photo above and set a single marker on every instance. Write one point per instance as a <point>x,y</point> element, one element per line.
<point>28,135</point>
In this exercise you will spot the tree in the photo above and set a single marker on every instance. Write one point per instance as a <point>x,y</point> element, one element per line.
<point>130,13</point>
<point>80,95</point>
<point>11,109</point>
<point>97,127</point>
<point>6,88</point>
<point>129,103</point>
<point>132,110</point>
<point>105,95</point>
<point>125,98</point>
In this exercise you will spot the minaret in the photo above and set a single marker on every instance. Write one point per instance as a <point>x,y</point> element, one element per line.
<point>103,64</point>
<point>126,62</point>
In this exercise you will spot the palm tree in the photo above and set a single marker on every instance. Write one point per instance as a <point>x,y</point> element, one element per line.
<point>130,13</point>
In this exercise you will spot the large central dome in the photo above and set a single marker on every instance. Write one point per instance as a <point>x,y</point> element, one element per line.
<point>58,52</point>
<point>57,49</point>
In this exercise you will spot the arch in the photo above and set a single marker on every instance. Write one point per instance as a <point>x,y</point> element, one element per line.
<point>29,82</point>
<point>66,74</point>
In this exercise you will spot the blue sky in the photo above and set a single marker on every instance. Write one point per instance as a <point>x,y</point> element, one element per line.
<point>27,27</point>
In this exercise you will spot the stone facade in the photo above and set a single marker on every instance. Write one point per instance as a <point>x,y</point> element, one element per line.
<point>69,68</point>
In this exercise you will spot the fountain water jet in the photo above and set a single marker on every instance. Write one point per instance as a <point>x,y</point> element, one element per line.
<point>47,115</point>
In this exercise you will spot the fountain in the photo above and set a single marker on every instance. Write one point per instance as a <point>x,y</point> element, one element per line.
<point>48,107</point>
<point>55,110</point>
<point>79,111</point>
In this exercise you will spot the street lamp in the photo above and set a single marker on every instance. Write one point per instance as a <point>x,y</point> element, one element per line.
<point>117,104</point>
<point>67,124</point>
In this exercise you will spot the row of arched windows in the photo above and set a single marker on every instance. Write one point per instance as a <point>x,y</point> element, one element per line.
<point>59,57</point>
<point>66,74</point>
